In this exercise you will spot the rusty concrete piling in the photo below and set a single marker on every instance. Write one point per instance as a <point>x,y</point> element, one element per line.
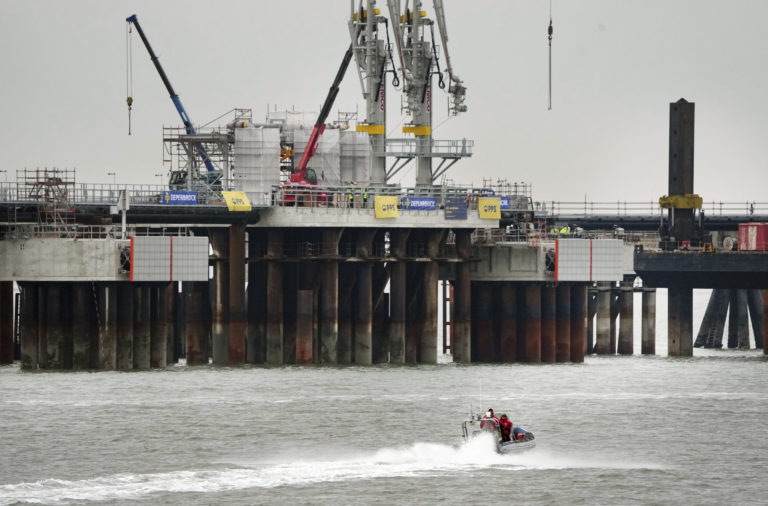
<point>141,327</point>
<point>274,327</point>
<point>106,303</point>
<point>626,318</point>
<point>532,318</point>
<point>219,296</point>
<point>563,341</point>
<point>462,319</point>
<point>578,322</point>
<point>124,327</point>
<point>236,320</point>
<point>158,326</point>
<point>6,322</point>
<point>507,311</point>
<point>603,326</point>
<point>648,322</point>
<point>548,324</point>
<point>755,304</point>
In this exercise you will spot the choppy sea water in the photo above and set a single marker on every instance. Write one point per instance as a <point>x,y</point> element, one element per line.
<point>613,430</point>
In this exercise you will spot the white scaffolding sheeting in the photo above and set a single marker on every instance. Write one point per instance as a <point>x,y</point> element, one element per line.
<point>355,157</point>
<point>257,162</point>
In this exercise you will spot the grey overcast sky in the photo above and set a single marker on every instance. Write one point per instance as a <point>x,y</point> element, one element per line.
<point>617,65</point>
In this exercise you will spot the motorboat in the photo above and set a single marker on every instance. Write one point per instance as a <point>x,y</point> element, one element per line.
<point>477,426</point>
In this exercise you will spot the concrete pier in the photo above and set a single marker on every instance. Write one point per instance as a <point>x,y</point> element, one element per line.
<point>274,334</point>
<point>578,322</point>
<point>680,322</point>
<point>84,328</point>
<point>347,286</point>
<point>648,324</point>
<point>329,299</point>
<point>507,304</point>
<point>626,317</point>
<point>564,322</point>
<point>483,334</point>
<point>106,294</point>
<point>141,327</point>
<point>54,329</point>
<point>236,308</point>
<point>462,292</point>
<point>158,326</point>
<point>755,303</point>
<point>591,312</point>
<point>765,321</point>
<point>256,330</point>
<point>548,324</point>
<point>6,322</point>
<point>532,323</point>
<point>196,322</point>
<point>304,326</point>
<point>603,339</point>
<point>29,326</point>
<point>220,296</point>
<point>397,297</point>
<point>124,327</point>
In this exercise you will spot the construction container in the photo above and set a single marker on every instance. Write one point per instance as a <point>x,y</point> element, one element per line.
<point>355,158</point>
<point>257,163</point>
<point>753,236</point>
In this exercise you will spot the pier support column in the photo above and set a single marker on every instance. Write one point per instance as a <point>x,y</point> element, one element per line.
<point>196,322</point>
<point>428,347</point>
<point>397,296</point>
<point>549,324</point>
<point>743,320</point>
<point>274,345</point>
<point>304,326</point>
<point>680,322</point>
<point>462,299</point>
<point>255,348</point>
<point>158,327</point>
<point>532,323</point>
<point>29,325</point>
<point>578,322</point>
<point>591,312</point>
<point>220,296</point>
<point>54,330</point>
<point>348,288</point>
<point>626,318</point>
<point>563,342</point>
<point>84,328</point>
<point>362,353</point>
<point>603,340</point>
<point>236,317</point>
<point>170,322</point>
<point>703,339</point>
<point>648,329</point>
<point>755,303</point>
<point>141,326</point>
<point>363,349</point>
<point>6,322</point>
<point>507,311</point>
<point>483,335</point>
<point>124,327</point>
<point>107,300</point>
<point>765,321</point>
<point>329,299</point>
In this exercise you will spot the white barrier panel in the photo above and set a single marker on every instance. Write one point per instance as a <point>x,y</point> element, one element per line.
<point>589,260</point>
<point>169,258</point>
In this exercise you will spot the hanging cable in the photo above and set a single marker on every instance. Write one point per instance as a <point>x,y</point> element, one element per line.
<point>549,37</point>
<point>440,81</point>
<point>129,72</point>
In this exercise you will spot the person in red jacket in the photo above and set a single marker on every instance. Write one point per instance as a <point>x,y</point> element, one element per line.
<point>489,421</point>
<point>506,427</point>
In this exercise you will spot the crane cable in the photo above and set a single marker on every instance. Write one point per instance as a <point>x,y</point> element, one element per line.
<point>549,37</point>
<point>129,71</point>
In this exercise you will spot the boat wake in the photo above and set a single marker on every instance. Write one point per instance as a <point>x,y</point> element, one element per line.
<point>416,460</point>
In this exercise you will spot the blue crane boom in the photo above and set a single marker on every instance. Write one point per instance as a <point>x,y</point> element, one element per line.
<point>174,97</point>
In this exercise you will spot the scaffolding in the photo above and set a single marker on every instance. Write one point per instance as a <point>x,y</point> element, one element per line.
<point>54,191</point>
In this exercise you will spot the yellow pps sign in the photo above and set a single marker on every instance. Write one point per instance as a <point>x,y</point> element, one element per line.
<point>237,201</point>
<point>489,207</point>
<point>386,207</point>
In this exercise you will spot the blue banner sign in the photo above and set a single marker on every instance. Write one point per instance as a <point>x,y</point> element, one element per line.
<point>175,198</point>
<point>504,203</point>
<point>419,203</point>
<point>456,208</point>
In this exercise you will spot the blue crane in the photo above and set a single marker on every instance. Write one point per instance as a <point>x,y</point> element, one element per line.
<point>174,97</point>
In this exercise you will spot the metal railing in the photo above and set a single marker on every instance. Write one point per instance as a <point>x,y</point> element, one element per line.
<point>643,208</point>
